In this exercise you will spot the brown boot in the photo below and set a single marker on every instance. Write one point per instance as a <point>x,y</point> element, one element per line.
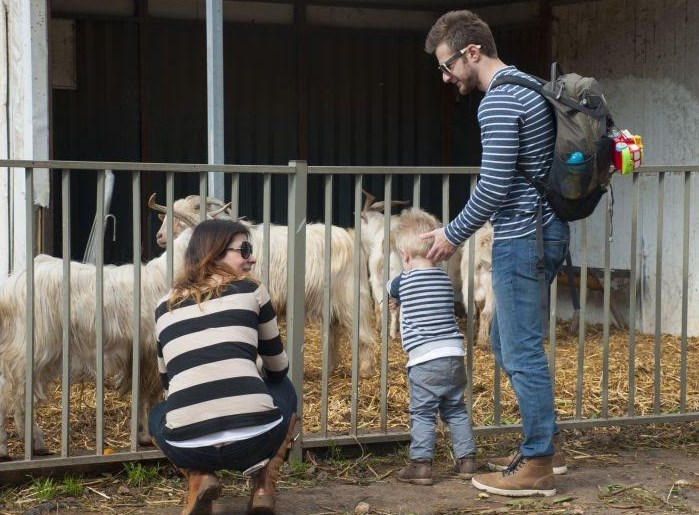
<point>525,477</point>
<point>558,463</point>
<point>417,472</point>
<point>202,489</point>
<point>465,467</point>
<point>264,482</point>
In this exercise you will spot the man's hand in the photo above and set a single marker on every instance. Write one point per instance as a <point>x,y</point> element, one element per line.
<point>442,249</point>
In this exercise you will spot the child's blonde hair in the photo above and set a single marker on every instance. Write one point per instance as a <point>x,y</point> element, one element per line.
<point>410,225</point>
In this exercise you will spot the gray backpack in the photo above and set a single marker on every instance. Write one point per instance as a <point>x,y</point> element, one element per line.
<point>582,159</point>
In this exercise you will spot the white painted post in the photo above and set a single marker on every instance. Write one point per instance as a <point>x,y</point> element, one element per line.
<point>24,118</point>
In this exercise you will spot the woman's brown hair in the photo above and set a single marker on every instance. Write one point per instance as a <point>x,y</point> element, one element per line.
<point>204,275</point>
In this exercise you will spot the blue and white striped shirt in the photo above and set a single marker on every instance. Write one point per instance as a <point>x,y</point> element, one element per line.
<point>427,322</point>
<point>517,132</point>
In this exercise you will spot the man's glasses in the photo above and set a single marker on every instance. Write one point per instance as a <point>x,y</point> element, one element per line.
<point>245,249</point>
<point>446,66</point>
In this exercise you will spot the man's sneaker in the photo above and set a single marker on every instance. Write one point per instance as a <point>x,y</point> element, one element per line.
<point>465,467</point>
<point>525,477</point>
<point>558,458</point>
<point>418,472</point>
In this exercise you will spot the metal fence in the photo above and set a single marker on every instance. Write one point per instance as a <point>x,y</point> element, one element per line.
<point>340,408</point>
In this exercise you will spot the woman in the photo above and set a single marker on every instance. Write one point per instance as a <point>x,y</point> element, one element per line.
<point>221,411</point>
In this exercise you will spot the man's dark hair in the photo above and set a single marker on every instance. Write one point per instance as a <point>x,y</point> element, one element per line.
<point>459,29</point>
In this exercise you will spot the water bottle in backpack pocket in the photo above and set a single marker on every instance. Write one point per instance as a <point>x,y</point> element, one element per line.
<point>570,175</point>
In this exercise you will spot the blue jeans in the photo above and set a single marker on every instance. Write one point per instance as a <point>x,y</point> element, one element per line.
<point>517,336</point>
<point>238,455</point>
<point>438,386</point>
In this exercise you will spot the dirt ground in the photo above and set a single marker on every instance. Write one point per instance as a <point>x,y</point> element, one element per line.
<point>649,474</point>
<point>653,479</point>
<point>630,471</point>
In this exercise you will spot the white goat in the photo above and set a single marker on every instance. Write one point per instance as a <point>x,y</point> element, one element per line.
<point>372,219</point>
<point>341,247</point>
<point>483,295</point>
<point>372,237</point>
<point>48,327</point>
<point>190,204</point>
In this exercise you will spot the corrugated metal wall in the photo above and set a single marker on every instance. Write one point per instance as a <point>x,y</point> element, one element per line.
<point>330,96</point>
<point>99,120</point>
<point>375,100</point>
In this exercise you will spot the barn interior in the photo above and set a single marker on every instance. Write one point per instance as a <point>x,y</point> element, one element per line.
<point>333,83</point>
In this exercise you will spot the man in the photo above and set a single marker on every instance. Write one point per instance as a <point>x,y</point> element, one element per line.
<point>517,133</point>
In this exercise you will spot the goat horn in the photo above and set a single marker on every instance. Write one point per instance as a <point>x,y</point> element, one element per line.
<point>154,206</point>
<point>225,208</point>
<point>184,217</point>
<point>369,200</point>
<point>213,201</point>
<point>188,218</point>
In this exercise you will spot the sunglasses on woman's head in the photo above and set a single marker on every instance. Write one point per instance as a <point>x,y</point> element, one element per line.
<point>245,249</point>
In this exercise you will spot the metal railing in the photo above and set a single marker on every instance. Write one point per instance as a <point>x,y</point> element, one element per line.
<point>296,173</point>
<point>630,230</point>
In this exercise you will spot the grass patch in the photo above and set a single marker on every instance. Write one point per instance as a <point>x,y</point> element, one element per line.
<point>140,475</point>
<point>73,486</point>
<point>45,488</point>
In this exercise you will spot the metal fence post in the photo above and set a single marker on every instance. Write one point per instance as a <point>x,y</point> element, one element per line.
<point>29,307</point>
<point>296,280</point>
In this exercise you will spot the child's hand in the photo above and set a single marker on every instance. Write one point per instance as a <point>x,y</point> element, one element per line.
<point>393,303</point>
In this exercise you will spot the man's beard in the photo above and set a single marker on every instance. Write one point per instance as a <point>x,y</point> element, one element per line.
<point>469,84</point>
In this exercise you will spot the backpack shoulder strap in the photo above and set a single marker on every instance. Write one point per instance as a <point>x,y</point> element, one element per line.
<point>520,81</point>
<point>537,86</point>
<point>552,91</point>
